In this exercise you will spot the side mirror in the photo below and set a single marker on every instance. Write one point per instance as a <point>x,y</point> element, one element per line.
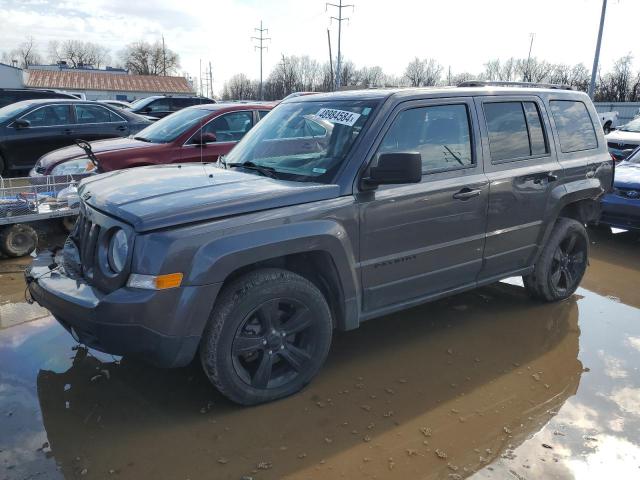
<point>208,138</point>
<point>396,168</point>
<point>22,123</point>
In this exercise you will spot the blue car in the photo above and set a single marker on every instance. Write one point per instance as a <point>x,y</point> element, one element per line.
<point>621,208</point>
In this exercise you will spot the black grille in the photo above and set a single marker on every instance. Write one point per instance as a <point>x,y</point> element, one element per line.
<point>85,236</point>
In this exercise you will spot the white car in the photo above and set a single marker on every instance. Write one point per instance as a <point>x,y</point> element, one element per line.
<point>624,139</point>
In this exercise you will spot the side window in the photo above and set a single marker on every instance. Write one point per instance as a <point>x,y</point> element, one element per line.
<point>515,130</point>
<point>230,127</point>
<point>160,105</point>
<point>49,116</point>
<point>180,103</point>
<point>440,133</point>
<point>574,125</point>
<point>92,114</point>
<point>262,114</point>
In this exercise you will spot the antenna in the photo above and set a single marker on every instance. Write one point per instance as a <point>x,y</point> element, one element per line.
<point>261,39</point>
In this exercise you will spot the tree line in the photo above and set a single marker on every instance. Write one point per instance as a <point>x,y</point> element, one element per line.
<point>302,73</point>
<point>141,57</point>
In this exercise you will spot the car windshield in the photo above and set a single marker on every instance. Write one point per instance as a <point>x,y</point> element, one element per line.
<point>142,102</point>
<point>634,157</point>
<point>169,128</point>
<point>303,141</point>
<point>12,110</point>
<point>632,126</point>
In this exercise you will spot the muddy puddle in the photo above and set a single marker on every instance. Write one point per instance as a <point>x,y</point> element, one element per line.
<point>485,385</point>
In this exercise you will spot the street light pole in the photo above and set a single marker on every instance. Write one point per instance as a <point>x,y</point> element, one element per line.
<point>596,58</point>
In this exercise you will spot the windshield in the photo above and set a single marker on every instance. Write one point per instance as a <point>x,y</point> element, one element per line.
<point>632,126</point>
<point>304,141</point>
<point>634,157</point>
<point>169,128</point>
<point>12,110</point>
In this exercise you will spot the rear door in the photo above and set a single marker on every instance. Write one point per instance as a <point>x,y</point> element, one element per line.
<point>522,169</point>
<point>51,128</point>
<point>228,128</point>
<point>160,108</point>
<point>96,122</point>
<point>424,239</point>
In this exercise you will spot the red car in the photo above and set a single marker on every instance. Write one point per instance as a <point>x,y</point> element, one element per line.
<point>201,133</point>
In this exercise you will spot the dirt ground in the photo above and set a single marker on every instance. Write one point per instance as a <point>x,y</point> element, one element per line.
<point>487,384</point>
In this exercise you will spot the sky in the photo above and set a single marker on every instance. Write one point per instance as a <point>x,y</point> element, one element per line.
<point>461,34</point>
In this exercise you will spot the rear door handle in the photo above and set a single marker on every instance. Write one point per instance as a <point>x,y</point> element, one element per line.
<point>67,131</point>
<point>122,128</point>
<point>466,193</point>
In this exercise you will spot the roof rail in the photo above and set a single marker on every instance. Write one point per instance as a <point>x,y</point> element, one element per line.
<point>491,83</point>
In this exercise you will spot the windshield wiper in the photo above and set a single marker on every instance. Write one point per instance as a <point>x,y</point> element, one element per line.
<point>249,165</point>
<point>142,139</point>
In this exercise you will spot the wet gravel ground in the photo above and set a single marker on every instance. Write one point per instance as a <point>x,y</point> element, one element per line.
<point>486,384</point>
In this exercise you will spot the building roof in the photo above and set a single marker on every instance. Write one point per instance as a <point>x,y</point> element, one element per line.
<point>102,81</point>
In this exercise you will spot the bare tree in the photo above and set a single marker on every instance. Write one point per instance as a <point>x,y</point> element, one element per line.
<point>26,54</point>
<point>144,58</point>
<point>503,71</point>
<point>77,53</point>
<point>421,73</point>
<point>616,85</point>
<point>371,76</point>
<point>239,87</point>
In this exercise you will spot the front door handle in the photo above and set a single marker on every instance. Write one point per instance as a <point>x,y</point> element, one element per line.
<point>121,128</point>
<point>67,131</point>
<point>466,193</point>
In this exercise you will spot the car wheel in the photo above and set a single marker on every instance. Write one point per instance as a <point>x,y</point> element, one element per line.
<point>18,240</point>
<point>268,335</point>
<point>562,263</point>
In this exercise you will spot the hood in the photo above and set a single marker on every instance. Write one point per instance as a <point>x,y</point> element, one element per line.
<point>624,137</point>
<point>98,147</point>
<point>627,175</point>
<point>162,196</point>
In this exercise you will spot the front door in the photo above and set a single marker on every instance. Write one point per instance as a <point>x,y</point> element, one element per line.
<point>423,239</point>
<point>522,169</point>
<point>227,130</point>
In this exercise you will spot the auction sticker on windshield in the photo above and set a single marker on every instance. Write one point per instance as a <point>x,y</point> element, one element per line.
<point>338,116</point>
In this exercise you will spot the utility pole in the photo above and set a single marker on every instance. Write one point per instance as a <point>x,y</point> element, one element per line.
<point>261,39</point>
<point>200,78</point>
<point>528,79</point>
<point>330,57</point>
<point>340,19</point>
<point>283,64</point>
<point>210,81</point>
<point>596,57</point>
<point>164,58</point>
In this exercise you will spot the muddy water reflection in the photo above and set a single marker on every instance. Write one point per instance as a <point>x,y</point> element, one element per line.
<point>483,379</point>
<point>465,378</point>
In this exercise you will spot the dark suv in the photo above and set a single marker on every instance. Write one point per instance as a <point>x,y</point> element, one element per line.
<point>160,106</point>
<point>13,95</point>
<point>335,209</point>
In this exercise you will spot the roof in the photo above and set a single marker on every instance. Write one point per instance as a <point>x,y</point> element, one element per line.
<point>407,93</point>
<point>102,81</point>
<point>10,66</point>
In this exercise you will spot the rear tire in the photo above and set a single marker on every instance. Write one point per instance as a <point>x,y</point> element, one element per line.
<point>268,336</point>
<point>18,240</point>
<point>562,263</point>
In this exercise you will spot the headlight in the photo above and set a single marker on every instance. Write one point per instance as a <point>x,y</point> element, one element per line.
<point>74,167</point>
<point>118,251</point>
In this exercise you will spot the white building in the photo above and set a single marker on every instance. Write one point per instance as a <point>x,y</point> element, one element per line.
<point>11,77</point>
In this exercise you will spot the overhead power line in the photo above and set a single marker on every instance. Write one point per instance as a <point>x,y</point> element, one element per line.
<point>339,19</point>
<point>261,31</point>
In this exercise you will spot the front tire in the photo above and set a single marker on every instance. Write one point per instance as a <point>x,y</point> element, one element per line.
<point>267,337</point>
<point>562,263</point>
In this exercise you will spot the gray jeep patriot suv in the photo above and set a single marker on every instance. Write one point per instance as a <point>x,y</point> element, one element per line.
<point>336,208</point>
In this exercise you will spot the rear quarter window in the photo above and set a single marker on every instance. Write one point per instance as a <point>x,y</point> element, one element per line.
<point>575,128</point>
